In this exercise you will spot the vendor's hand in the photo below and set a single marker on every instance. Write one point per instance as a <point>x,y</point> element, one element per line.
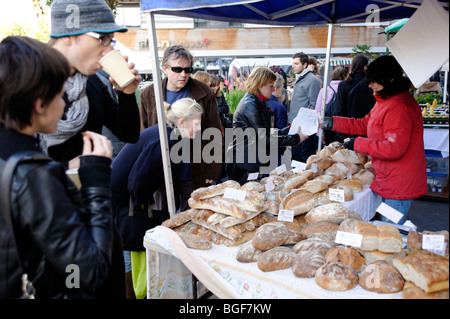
<point>96,144</point>
<point>209,181</point>
<point>349,143</point>
<point>302,137</point>
<point>130,88</point>
<point>327,123</point>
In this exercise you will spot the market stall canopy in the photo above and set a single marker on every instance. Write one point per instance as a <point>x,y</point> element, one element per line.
<point>286,12</point>
<point>337,61</point>
<point>249,64</point>
<point>395,27</point>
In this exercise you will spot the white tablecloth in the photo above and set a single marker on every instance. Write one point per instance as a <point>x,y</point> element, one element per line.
<point>170,265</point>
<point>436,139</point>
<point>219,271</point>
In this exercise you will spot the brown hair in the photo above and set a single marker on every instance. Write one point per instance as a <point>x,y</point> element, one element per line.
<point>215,81</point>
<point>338,73</point>
<point>29,70</point>
<point>202,76</point>
<point>259,77</point>
<point>175,52</point>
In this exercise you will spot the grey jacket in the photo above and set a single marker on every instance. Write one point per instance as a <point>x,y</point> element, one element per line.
<point>306,89</point>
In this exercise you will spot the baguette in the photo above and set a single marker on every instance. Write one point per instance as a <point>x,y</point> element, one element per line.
<point>214,190</point>
<point>195,241</point>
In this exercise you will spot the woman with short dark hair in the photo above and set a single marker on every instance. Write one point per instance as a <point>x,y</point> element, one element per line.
<point>56,226</point>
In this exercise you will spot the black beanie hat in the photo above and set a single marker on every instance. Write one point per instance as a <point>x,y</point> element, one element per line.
<point>384,68</point>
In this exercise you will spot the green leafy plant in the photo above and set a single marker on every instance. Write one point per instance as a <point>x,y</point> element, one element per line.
<point>429,97</point>
<point>233,98</point>
<point>363,49</point>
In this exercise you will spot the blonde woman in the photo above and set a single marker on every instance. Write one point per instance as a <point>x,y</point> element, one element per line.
<point>138,172</point>
<point>252,122</point>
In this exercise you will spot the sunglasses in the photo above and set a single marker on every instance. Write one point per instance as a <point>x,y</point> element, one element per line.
<point>104,40</point>
<point>178,69</point>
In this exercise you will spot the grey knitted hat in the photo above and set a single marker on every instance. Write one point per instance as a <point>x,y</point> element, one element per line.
<point>73,17</point>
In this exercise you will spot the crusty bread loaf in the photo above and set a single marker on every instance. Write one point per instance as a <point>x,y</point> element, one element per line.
<point>329,179</point>
<point>214,190</point>
<point>299,201</point>
<point>195,241</point>
<point>336,277</point>
<point>349,156</point>
<point>372,256</point>
<point>414,240</point>
<point>381,277</point>
<point>253,186</point>
<point>348,192</point>
<point>294,237</point>
<point>348,225</point>
<point>355,184</point>
<point>312,244</point>
<point>247,253</point>
<point>323,198</point>
<point>294,181</point>
<point>277,181</point>
<point>306,263</point>
<point>178,219</point>
<point>338,170</point>
<point>315,186</point>
<point>346,255</point>
<point>321,162</point>
<point>390,240</point>
<point>219,205</point>
<point>426,270</point>
<point>365,176</point>
<point>276,258</point>
<point>411,291</point>
<point>328,151</point>
<point>333,212</point>
<point>321,229</point>
<point>270,235</point>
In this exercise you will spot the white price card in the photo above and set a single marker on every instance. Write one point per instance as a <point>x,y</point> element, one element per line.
<point>434,243</point>
<point>298,166</point>
<point>269,186</point>
<point>336,195</point>
<point>235,194</point>
<point>252,176</point>
<point>281,169</point>
<point>348,239</point>
<point>314,168</point>
<point>285,215</point>
<point>389,212</point>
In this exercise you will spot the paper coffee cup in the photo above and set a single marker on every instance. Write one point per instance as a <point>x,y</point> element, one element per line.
<point>73,175</point>
<point>115,65</point>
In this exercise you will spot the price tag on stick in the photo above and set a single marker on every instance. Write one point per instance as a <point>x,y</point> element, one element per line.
<point>348,239</point>
<point>389,212</point>
<point>286,215</point>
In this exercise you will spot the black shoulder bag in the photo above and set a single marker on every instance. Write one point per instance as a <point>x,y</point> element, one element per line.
<point>28,289</point>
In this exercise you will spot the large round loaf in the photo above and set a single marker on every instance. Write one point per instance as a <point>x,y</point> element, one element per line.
<point>382,278</point>
<point>270,235</point>
<point>276,258</point>
<point>306,263</point>
<point>299,201</point>
<point>336,276</point>
<point>312,244</point>
<point>247,253</point>
<point>349,156</point>
<point>333,212</point>
<point>365,176</point>
<point>354,183</point>
<point>346,255</point>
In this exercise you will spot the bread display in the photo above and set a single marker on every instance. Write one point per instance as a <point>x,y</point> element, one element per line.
<point>275,259</point>
<point>333,212</point>
<point>375,255</point>
<point>354,184</point>
<point>196,241</point>
<point>312,244</point>
<point>294,182</point>
<point>253,186</point>
<point>381,277</point>
<point>178,219</point>
<point>321,229</point>
<point>306,263</point>
<point>411,291</point>
<point>336,277</point>
<point>414,240</point>
<point>426,270</point>
<point>315,186</point>
<point>345,255</point>
<point>349,156</point>
<point>365,176</point>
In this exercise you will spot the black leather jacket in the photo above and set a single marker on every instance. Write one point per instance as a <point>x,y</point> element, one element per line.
<point>58,228</point>
<point>254,118</point>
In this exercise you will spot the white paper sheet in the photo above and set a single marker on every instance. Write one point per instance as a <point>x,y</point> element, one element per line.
<point>308,120</point>
<point>422,44</point>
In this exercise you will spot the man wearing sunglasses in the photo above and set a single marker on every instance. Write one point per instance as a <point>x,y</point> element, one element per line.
<point>177,66</point>
<point>83,31</point>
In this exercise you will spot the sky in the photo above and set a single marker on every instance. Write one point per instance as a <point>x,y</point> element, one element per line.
<point>20,11</point>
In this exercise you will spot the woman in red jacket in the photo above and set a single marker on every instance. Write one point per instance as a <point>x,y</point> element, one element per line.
<point>394,136</point>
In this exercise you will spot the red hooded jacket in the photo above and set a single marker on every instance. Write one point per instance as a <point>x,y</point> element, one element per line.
<point>394,131</point>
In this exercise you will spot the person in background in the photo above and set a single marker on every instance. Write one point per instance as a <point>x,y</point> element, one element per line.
<point>391,134</point>
<point>337,76</point>
<point>222,104</point>
<point>138,173</point>
<point>253,118</point>
<point>306,89</point>
<point>202,76</point>
<point>55,224</point>
<point>279,111</point>
<point>177,66</point>
<point>315,68</point>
